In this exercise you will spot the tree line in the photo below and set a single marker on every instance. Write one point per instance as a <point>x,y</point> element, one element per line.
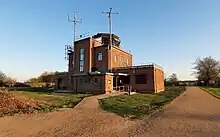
<point>46,78</point>
<point>206,70</point>
<point>6,81</point>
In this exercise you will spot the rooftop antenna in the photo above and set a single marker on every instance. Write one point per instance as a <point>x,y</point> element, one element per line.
<point>74,21</point>
<point>82,36</point>
<point>109,13</point>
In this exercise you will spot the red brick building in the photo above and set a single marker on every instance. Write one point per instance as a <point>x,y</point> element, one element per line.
<point>94,67</point>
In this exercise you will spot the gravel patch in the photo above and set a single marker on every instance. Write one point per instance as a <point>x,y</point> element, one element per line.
<point>193,114</point>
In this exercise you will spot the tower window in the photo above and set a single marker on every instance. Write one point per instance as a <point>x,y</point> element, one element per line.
<point>81,60</point>
<point>99,56</point>
<point>116,57</point>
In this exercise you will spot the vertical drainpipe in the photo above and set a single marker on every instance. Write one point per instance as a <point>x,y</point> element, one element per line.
<point>76,83</point>
<point>155,80</point>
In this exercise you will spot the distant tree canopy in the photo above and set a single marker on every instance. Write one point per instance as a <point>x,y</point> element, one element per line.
<point>45,77</point>
<point>207,69</point>
<point>6,81</point>
<point>33,80</point>
<point>10,81</point>
<point>171,80</point>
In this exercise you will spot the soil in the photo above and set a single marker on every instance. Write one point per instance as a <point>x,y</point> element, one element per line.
<point>10,102</point>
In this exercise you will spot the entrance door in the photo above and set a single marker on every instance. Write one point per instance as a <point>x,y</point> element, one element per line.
<point>59,83</point>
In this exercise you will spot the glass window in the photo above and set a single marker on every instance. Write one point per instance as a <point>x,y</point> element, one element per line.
<point>81,60</point>
<point>116,57</point>
<point>81,57</point>
<point>140,79</point>
<point>99,56</point>
<point>81,51</point>
<point>81,54</point>
<point>81,66</point>
<point>122,61</point>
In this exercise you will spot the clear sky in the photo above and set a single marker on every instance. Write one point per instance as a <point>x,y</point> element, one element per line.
<point>170,33</point>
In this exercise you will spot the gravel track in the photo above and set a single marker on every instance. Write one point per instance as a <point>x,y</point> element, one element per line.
<point>194,114</point>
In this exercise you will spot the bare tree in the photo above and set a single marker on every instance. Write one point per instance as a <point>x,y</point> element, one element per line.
<point>207,69</point>
<point>173,79</point>
<point>10,81</point>
<point>2,78</point>
<point>47,77</point>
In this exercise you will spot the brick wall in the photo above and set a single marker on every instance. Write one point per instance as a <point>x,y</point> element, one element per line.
<point>91,49</point>
<point>85,44</point>
<point>93,83</point>
<point>159,79</point>
<point>108,83</point>
<point>154,78</point>
<point>122,59</point>
<point>61,80</point>
<point>103,64</point>
<point>132,72</point>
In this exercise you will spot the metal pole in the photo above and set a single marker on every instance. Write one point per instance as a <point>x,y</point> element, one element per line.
<point>74,39</point>
<point>110,34</point>
<point>74,21</point>
<point>110,37</point>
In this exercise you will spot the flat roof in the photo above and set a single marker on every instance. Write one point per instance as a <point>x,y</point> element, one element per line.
<point>92,73</point>
<point>141,66</point>
<point>121,50</point>
<point>115,47</point>
<point>121,74</point>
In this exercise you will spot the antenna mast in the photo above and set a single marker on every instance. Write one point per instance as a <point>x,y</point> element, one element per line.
<point>109,13</point>
<point>74,21</point>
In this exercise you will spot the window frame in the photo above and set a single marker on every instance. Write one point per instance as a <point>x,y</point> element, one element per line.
<point>81,59</point>
<point>116,57</point>
<point>100,56</point>
<point>127,61</point>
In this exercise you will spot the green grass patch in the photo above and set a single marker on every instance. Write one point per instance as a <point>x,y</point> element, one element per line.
<point>137,105</point>
<point>213,91</point>
<point>33,89</point>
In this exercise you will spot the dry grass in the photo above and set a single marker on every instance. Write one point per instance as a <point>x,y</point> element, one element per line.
<point>13,102</point>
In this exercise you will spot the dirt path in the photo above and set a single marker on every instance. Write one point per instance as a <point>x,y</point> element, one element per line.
<point>86,119</point>
<point>195,113</point>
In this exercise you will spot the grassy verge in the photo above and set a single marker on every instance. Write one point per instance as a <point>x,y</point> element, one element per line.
<point>213,91</point>
<point>138,105</point>
<point>48,101</point>
<point>33,89</point>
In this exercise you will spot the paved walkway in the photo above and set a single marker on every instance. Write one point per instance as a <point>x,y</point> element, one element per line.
<point>194,114</point>
<point>92,104</point>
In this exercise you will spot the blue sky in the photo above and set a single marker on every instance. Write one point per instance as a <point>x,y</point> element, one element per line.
<point>171,33</point>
